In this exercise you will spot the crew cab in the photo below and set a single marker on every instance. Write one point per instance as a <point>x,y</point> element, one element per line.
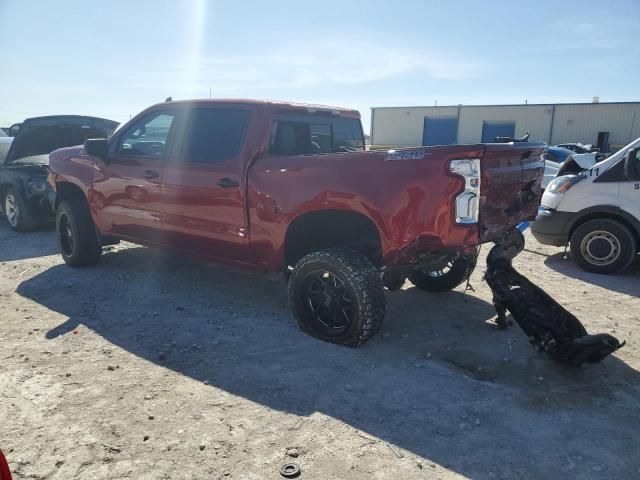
<point>290,187</point>
<point>23,173</point>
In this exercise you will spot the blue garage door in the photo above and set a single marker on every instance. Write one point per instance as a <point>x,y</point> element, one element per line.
<point>491,130</point>
<point>440,131</point>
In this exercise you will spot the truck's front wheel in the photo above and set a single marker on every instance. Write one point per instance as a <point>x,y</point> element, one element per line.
<point>442,279</point>
<point>337,295</point>
<point>76,233</point>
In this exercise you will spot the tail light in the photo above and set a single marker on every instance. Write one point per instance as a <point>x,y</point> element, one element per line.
<point>468,201</point>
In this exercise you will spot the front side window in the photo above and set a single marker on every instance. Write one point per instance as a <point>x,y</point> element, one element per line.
<point>315,134</point>
<point>214,135</point>
<point>148,137</point>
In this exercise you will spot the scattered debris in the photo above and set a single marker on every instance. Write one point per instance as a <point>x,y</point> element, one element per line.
<point>113,448</point>
<point>290,470</point>
<point>293,452</point>
<point>396,452</point>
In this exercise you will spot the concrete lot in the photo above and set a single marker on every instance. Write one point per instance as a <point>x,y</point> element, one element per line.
<point>156,367</point>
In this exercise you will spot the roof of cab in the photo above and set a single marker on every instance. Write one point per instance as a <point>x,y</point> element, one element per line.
<point>273,104</point>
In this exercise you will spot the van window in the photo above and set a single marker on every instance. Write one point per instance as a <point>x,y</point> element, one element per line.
<point>315,134</point>
<point>214,135</point>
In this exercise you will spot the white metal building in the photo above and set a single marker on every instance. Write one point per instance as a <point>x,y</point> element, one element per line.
<point>610,125</point>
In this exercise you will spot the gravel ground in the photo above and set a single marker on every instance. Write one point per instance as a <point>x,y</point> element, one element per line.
<point>156,367</point>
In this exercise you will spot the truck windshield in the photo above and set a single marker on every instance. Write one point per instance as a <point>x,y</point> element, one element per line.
<point>41,136</point>
<point>315,134</point>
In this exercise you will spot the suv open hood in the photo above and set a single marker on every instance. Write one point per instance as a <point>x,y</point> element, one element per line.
<point>33,160</point>
<point>42,135</point>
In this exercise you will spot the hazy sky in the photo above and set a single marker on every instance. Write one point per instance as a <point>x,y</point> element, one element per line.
<point>114,58</point>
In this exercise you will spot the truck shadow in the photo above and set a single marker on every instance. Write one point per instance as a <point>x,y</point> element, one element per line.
<point>420,385</point>
<point>38,243</point>
<point>627,281</point>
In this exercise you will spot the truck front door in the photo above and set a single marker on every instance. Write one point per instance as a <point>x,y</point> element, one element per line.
<point>127,186</point>
<point>204,188</point>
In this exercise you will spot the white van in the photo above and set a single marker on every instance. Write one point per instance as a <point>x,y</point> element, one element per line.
<point>596,210</point>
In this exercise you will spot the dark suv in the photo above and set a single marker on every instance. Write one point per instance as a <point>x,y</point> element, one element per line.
<point>23,175</point>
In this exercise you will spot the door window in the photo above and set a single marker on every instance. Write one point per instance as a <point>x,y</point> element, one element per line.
<point>214,135</point>
<point>314,134</point>
<point>148,137</point>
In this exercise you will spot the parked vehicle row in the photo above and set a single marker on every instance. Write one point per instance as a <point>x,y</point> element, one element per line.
<point>290,187</point>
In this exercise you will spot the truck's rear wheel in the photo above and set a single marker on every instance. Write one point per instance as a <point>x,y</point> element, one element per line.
<point>603,246</point>
<point>442,279</point>
<point>337,295</point>
<point>76,233</point>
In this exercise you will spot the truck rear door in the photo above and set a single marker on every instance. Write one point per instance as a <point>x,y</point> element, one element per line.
<point>203,189</point>
<point>510,188</point>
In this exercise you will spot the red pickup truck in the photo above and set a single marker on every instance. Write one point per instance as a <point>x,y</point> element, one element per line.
<point>290,187</point>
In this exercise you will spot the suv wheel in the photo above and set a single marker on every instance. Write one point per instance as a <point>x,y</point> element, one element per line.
<point>337,295</point>
<point>18,215</point>
<point>445,279</point>
<point>76,233</point>
<point>603,246</point>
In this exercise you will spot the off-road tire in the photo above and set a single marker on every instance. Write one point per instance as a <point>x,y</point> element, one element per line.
<point>85,249</point>
<point>362,282</point>
<point>609,231</point>
<point>445,282</point>
<point>25,220</point>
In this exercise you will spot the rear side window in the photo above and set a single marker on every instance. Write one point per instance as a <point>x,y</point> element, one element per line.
<point>214,135</point>
<point>315,134</point>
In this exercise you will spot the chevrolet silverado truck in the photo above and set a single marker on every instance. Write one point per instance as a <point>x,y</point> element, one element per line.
<point>290,187</point>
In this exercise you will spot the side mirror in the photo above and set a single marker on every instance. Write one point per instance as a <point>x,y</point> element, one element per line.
<point>632,164</point>
<point>96,147</point>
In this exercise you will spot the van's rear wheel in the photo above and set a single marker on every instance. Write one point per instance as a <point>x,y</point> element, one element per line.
<point>442,279</point>
<point>337,295</point>
<point>603,246</point>
<point>76,233</point>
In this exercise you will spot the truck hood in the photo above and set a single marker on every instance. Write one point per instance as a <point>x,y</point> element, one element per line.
<point>66,152</point>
